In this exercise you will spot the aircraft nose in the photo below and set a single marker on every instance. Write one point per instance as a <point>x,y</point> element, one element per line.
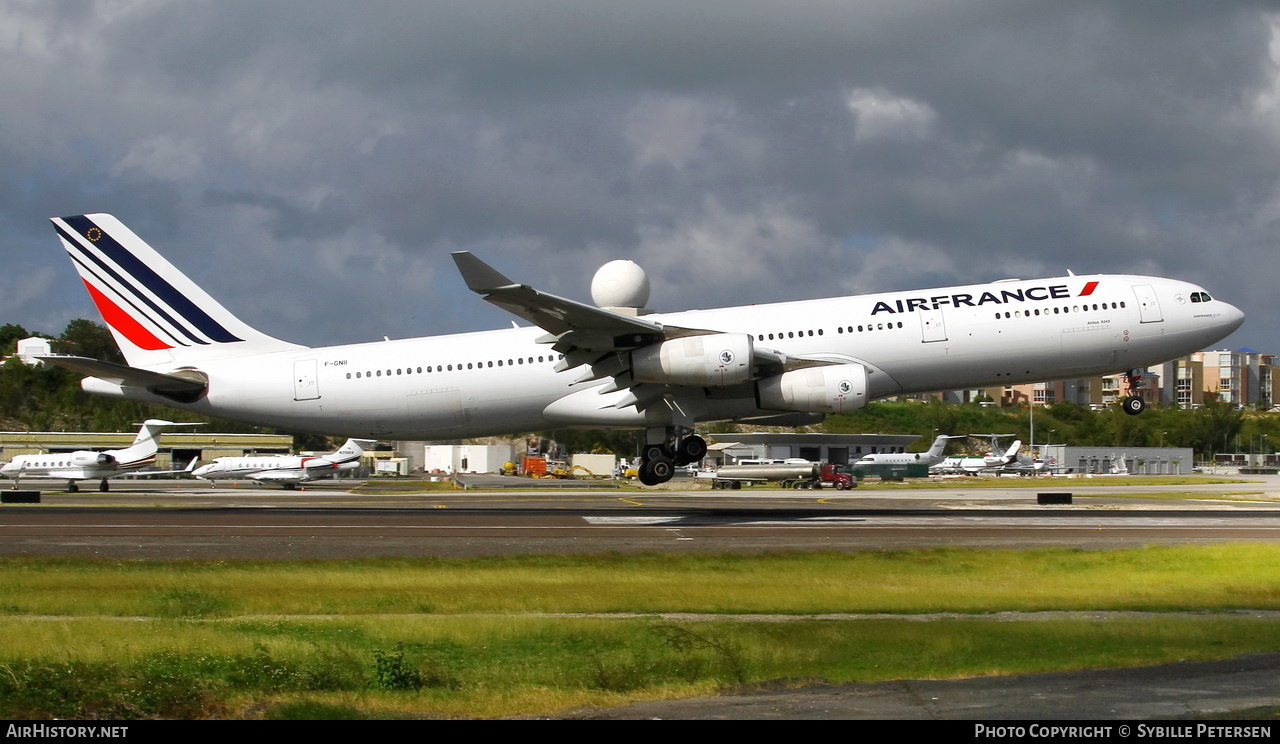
<point>1232,318</point>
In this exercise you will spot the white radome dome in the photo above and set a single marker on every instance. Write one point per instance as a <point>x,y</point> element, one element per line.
<point>620,283</point>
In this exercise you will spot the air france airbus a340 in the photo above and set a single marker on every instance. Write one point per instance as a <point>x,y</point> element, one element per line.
<point>597,367</point>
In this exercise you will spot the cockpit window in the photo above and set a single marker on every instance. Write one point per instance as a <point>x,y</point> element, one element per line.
<point>1200,297</point>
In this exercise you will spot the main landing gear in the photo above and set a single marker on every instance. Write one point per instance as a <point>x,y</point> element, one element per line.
<point>658,462</point>
<point>1133,403</point>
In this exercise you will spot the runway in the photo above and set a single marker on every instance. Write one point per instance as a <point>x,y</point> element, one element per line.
<point>183,520</point>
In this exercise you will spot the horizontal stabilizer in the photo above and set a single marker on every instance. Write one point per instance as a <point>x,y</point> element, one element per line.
<point>170,386</point>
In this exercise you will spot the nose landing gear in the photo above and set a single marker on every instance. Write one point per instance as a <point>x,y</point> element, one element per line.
<point>1133,403</point>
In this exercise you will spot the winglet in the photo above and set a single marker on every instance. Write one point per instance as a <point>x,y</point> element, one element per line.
<point>480,276</point>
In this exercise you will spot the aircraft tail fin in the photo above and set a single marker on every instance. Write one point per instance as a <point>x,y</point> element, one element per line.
<point>157,315</point>
<point>147,441</point>
<point>351,450</point>
<point>938,447</point>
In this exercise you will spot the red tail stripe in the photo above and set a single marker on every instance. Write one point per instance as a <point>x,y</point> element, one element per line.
<point>124,323</point>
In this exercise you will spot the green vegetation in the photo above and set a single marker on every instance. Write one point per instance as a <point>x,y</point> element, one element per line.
<point>491,637</point>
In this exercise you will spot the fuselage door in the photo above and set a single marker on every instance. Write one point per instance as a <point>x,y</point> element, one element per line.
<point>1148,305</point>
<point>931,326</point>
<point>305,386</point>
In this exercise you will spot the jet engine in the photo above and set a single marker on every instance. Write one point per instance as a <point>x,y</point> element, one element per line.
<point>91,458</point>
<point>712,360</point>
<point>833,388</point>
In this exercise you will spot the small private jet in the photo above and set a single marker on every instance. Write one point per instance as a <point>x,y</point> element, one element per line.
<point>286,470</point>
<point>993,461</point>
<point>94,464</point>
<point>615,364</point>
<point>930,457</point>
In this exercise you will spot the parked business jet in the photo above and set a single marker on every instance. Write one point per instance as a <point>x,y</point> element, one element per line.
<point>992,461</point>
<point>593,367</point>
<point>287,470</point>
<point>1024,465</point>
<point>93,464</point>
<point>931,457</point>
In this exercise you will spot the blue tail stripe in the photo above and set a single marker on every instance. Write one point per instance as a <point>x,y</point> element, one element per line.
<point>153,282</point>
<point>140,312</point>
<point>99,268</point>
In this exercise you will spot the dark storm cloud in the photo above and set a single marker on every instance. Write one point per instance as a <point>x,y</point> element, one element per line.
<point>305,156</point>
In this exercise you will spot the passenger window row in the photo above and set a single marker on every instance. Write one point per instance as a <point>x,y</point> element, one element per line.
<point>1061,310</point>
<point>841,329</point>
<point>459,367</point>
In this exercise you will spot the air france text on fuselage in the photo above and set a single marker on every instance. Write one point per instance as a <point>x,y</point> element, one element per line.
<point>1004,296</point>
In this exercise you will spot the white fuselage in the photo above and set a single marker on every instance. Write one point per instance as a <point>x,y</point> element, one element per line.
<point>64,466</point>
<point>499,382</point>
<point>282,468</point>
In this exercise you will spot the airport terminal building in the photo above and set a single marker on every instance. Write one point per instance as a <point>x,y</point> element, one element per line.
<point>1063,458</point>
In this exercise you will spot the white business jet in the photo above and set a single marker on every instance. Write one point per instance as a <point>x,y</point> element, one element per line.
<point>598,367</point>
<point>93,464</point>
<point>995,458</point>
<point>931,457</point>
<point>286,470</point>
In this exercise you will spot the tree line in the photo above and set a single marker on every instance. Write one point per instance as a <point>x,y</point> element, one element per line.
<point>48,398</point>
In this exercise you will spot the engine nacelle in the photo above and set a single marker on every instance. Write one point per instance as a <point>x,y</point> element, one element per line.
<point>90,459</point>
<point>831,389</point>
<point>712,360</point>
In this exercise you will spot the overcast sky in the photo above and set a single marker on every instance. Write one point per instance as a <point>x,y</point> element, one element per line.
<point>313,163</point>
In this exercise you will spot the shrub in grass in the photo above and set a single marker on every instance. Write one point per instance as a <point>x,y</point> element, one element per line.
<point>392,671</point>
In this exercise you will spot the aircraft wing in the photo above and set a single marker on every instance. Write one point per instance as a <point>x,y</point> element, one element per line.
<point>190,467</point>
<point>278,476</point>
<point>588,335</point>
<point>553,314</point>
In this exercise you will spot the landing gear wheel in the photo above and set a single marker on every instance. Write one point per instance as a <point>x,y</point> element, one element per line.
<point>661,468</point>
<point>73,488</point>
<point>691,449</point>
<point>103,486</point>
<point>1134,405</point>
<point>652,452</point>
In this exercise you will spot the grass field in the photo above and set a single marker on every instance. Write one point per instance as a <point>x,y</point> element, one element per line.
<point>491,637</point>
